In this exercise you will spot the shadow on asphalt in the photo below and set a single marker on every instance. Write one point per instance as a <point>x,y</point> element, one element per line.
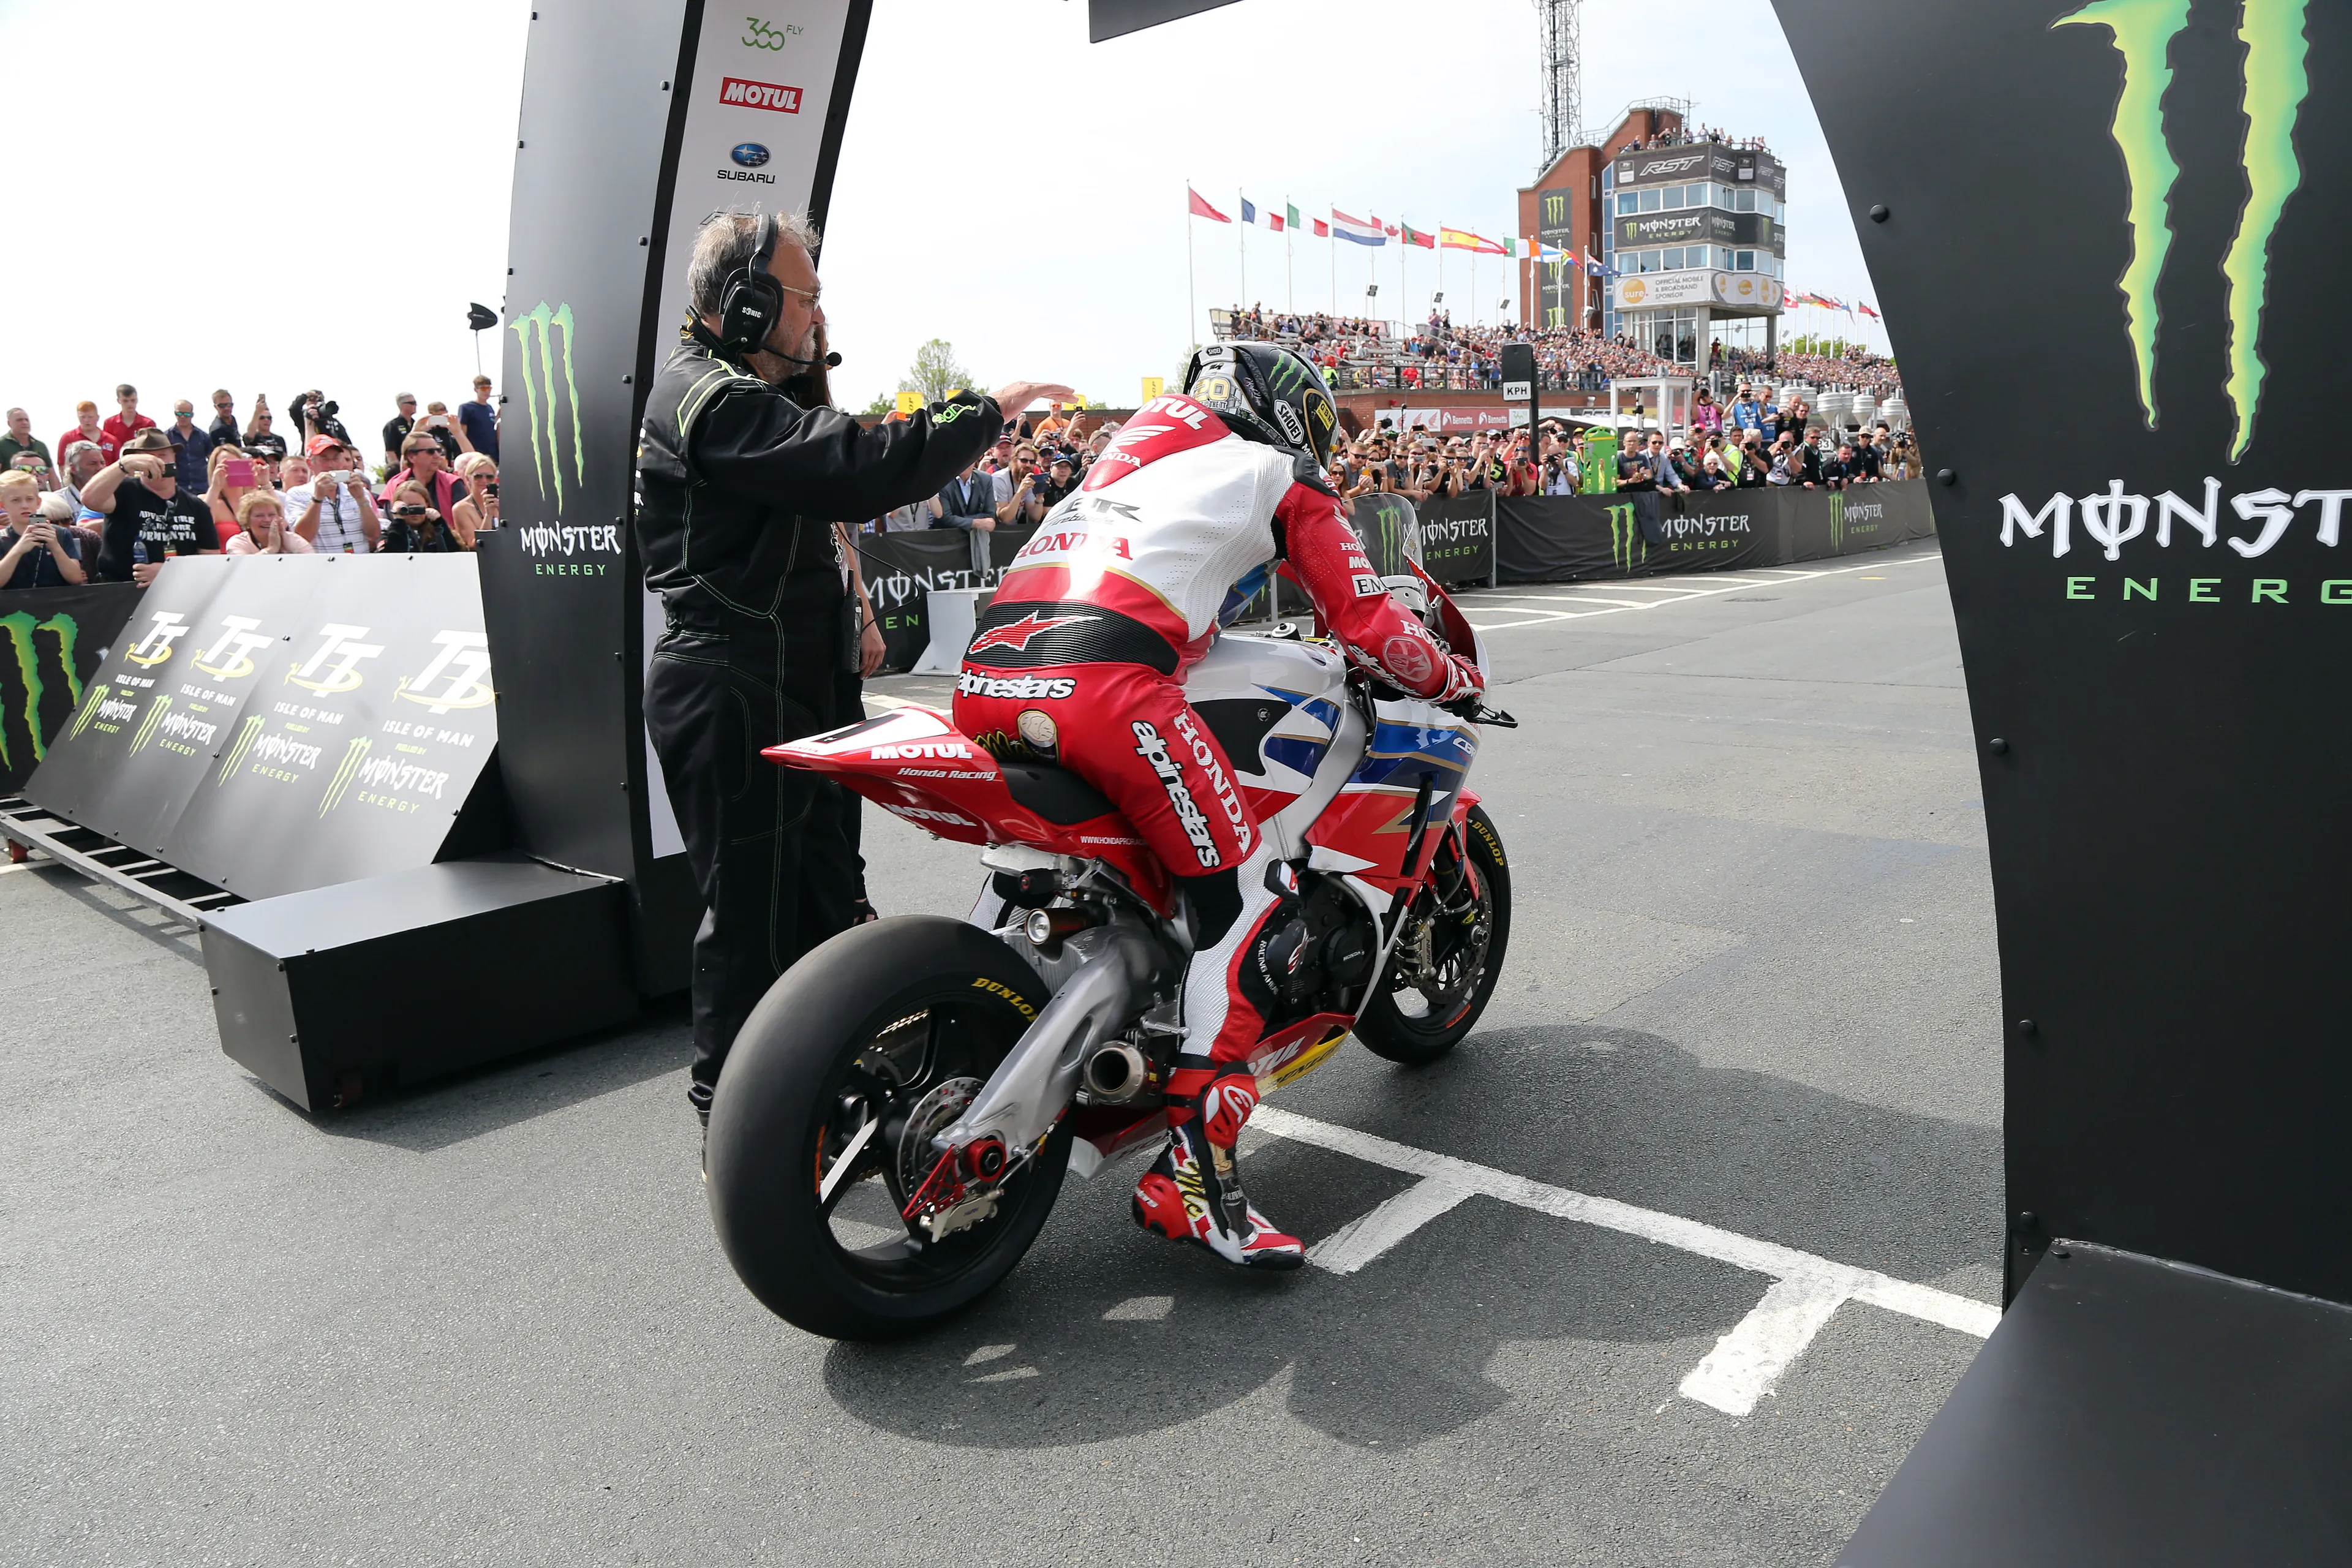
<point>449,1111</point>
<point>1104,1332</point>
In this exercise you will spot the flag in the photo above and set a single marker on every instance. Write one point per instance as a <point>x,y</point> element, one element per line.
<point>1868,311</point>
<point>1322,229</point>
<point>1356,229</point>
<point>1389,229</point>
<point>1250,214</point>
<point>1592,268</point>
<point>1290,215</point>
<point>1462,239</point>
<point>1415,236</point>
<point>1203,209</point>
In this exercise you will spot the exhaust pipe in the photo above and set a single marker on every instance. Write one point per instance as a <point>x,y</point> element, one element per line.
<point>1115,1073</point>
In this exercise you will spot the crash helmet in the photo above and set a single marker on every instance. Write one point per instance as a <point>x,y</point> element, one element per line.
<point>1266,392</point>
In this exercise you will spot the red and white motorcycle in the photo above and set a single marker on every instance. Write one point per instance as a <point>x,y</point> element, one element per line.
<point>896,1116</point>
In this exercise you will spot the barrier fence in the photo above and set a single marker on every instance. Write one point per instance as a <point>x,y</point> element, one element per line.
<point>54,640</point>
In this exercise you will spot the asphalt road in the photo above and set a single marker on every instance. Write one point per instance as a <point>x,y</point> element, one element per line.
<point>1748,1014</point>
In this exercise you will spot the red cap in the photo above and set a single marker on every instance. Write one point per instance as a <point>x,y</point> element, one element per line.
<point>318,443</point>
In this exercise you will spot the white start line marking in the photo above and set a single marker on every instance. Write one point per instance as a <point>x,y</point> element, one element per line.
<point>1481,606</point>
<point>1745,1363</point>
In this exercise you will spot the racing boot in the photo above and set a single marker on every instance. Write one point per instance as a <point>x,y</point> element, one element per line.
<point>1194,1190</point>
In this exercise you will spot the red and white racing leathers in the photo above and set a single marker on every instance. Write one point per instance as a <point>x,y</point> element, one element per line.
<point>1079,660</point>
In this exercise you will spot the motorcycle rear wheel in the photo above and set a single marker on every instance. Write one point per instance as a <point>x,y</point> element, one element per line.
<point>1416,1019</point>
<point>872,1025</point>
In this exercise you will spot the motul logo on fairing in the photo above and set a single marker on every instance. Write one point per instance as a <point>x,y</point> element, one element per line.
<point>950,818</point>
<point>925,750</point>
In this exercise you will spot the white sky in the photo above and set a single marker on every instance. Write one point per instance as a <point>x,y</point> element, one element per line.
<point>338,175</point>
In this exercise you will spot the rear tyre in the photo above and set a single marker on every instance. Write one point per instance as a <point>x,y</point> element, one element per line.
<point>1449,955</point>
<point>887,1023</point>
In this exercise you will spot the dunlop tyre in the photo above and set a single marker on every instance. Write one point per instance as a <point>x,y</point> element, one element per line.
<point>770,1108</point>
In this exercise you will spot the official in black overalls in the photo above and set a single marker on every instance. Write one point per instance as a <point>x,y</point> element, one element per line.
<point>738,488</point>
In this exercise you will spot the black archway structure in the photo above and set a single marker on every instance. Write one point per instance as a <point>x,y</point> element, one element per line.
<point>2140,510</point>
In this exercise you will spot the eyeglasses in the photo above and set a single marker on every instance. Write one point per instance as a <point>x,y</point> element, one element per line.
<point>813,296</point>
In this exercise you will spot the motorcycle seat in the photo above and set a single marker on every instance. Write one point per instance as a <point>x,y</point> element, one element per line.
<point>1056,794</point>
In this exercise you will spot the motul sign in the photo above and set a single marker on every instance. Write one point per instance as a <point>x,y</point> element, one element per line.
<point>734,89</point>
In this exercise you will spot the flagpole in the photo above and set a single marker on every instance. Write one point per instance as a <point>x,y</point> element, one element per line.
<point>1191,305</point>
<point>1240,235</point>
<point>1289,259</point>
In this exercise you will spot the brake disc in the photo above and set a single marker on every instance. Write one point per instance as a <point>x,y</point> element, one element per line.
<point>933,1114</point>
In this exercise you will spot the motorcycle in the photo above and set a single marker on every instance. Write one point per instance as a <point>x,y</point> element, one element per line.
<point>898,1113</point>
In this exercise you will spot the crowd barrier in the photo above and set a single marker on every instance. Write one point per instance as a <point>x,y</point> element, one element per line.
<point>55,640</point>
<point>276,723</point>
<point>1642,533</point>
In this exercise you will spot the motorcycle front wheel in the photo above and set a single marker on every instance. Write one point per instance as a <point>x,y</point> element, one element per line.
<point>888,1028</point>
<point>1450,953</point>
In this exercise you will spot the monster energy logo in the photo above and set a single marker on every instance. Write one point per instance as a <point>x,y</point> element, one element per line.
<point>238,749</point>
<point>1385,519</point>
<point>542,322</point>
<point>157,706</point>
<point>1554,209</point>
<point>345,771</point>
<point>1627,548</point>
<point>1289,372</point>
<point>1837,522</point>
<point>2274,89</point>
<point>21,741</point>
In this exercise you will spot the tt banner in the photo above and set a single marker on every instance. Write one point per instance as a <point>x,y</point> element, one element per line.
<point>1457,537</point>
<point>280,722</point>
<point>2146,608</point>
<point>640,118</point>
<point>900,570</point>
<point>51,643</point>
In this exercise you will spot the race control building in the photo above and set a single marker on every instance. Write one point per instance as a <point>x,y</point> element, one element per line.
<point>1689,236</point>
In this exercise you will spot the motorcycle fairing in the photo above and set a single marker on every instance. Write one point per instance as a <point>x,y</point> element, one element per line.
<point>914,764</point>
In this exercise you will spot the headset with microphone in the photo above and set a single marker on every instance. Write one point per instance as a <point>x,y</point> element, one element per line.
<point>751,299</point>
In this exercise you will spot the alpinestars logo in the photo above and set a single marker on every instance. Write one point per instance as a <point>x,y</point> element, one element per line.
<point>2274,88</point>
<point>1152,747</point>
<point>1018,634</point>
<point>1627,548</point>
<point>536,330</point>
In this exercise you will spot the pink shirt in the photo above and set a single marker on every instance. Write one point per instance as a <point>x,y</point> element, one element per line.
<point>241,543</point>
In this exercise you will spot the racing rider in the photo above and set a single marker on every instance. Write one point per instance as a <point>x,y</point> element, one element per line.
<point>1080,660</point>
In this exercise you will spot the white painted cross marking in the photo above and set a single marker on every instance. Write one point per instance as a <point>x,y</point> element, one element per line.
<point>1360,1240</point>
<point>1745,1364</point>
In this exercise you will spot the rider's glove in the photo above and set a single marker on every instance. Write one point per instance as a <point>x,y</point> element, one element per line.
<point>1463,681</point>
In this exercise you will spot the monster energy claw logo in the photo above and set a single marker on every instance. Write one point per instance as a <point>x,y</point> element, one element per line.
<point>1627,548</point>
<point>542,322</point>
<point>2275,85</point>
<point>1837,522</point>
<point>25,636</point>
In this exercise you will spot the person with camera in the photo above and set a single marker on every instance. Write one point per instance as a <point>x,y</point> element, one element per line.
<point>478,509</point>
<point>426,461</point>
<point>33,551</point>
<point>416,526</point>
<point>147,517</point>
<point>1017,505</point>
<point>739,487</point>
<point>332,509</point>
<point>314,414</point>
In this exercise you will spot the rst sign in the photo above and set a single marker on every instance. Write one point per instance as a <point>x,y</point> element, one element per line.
<point>742,94</point>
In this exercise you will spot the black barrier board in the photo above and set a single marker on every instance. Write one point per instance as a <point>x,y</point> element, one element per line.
<point>1457,537</point>
<point>1715,531</point>
<point>51,643</point>
<point>150,718</point>
<point>2150,600</point>
<point>900,571</point>
<point>279,723</point>
<point>1562,538</point>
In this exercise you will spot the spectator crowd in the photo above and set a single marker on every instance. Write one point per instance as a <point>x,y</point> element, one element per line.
<point>111,499</point>
<point>1356,354</point>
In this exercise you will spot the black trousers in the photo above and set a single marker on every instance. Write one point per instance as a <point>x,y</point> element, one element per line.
<point>773,850</point>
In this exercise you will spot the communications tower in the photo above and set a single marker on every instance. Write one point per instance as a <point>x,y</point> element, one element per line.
<point>1563,75</point>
